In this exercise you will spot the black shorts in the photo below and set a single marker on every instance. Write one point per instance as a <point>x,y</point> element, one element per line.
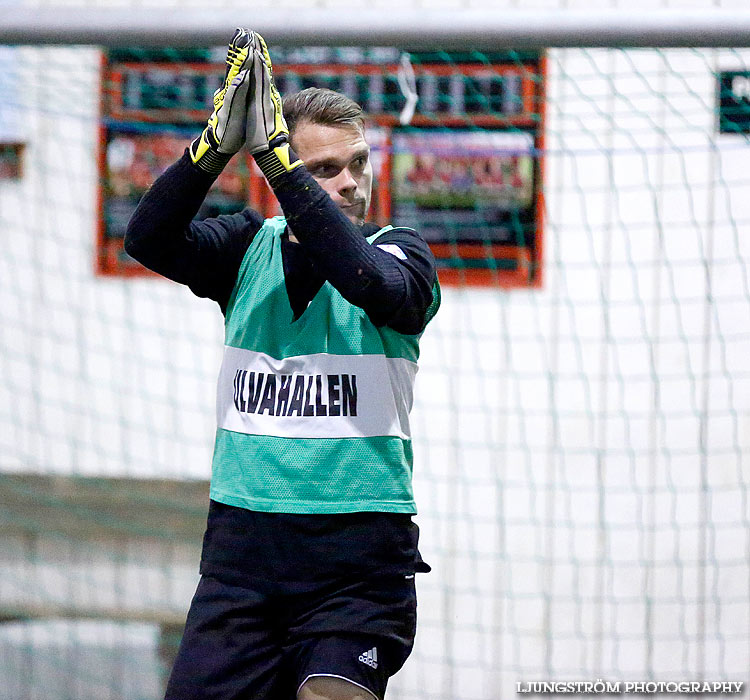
<point>286,597</point>
<point>265,641</point>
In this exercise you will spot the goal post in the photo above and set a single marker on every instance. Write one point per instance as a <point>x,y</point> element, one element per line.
<point>480,28</point>
<point>580,428</point>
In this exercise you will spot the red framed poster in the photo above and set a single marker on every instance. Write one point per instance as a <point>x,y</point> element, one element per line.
<point>466,170</point>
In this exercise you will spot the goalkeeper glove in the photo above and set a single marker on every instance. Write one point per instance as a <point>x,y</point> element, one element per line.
<point>225,133</point>
<point>267,132</point>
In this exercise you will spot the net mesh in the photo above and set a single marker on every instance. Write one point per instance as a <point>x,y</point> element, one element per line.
<point>580,428</point>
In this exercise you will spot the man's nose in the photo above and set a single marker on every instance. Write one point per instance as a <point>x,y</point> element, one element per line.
<point>345,182</point>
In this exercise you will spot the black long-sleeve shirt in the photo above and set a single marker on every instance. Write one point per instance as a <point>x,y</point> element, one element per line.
<point>392,284</point>
<point>394,289</point>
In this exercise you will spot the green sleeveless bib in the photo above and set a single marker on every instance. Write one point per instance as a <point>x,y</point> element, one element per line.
<point>312,414</point>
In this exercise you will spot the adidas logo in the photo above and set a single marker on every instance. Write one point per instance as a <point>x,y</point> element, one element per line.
<point>370,657</point>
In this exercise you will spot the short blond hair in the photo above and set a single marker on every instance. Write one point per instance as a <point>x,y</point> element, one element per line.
<point>322,106</point>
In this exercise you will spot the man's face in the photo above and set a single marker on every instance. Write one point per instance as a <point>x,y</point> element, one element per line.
<point>339,160</point>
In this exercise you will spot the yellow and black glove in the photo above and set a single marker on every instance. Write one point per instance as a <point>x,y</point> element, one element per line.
<point>225,133</point>
<point>267,134</point>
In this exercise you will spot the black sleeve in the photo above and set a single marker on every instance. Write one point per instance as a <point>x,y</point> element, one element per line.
<point>204,255</point>
<point>392,291</point>
<point>417,262</point>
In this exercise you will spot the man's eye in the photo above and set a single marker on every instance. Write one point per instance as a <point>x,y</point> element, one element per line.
<point>325,171</point>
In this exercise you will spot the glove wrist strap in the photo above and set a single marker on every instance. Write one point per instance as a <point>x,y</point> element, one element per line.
<point>211,161</point>
<point>277,160</point>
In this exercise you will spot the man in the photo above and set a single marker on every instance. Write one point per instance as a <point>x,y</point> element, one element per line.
<point>307,586</point>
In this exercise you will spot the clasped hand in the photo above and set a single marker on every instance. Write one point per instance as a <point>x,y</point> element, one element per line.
<point>247,108</point>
